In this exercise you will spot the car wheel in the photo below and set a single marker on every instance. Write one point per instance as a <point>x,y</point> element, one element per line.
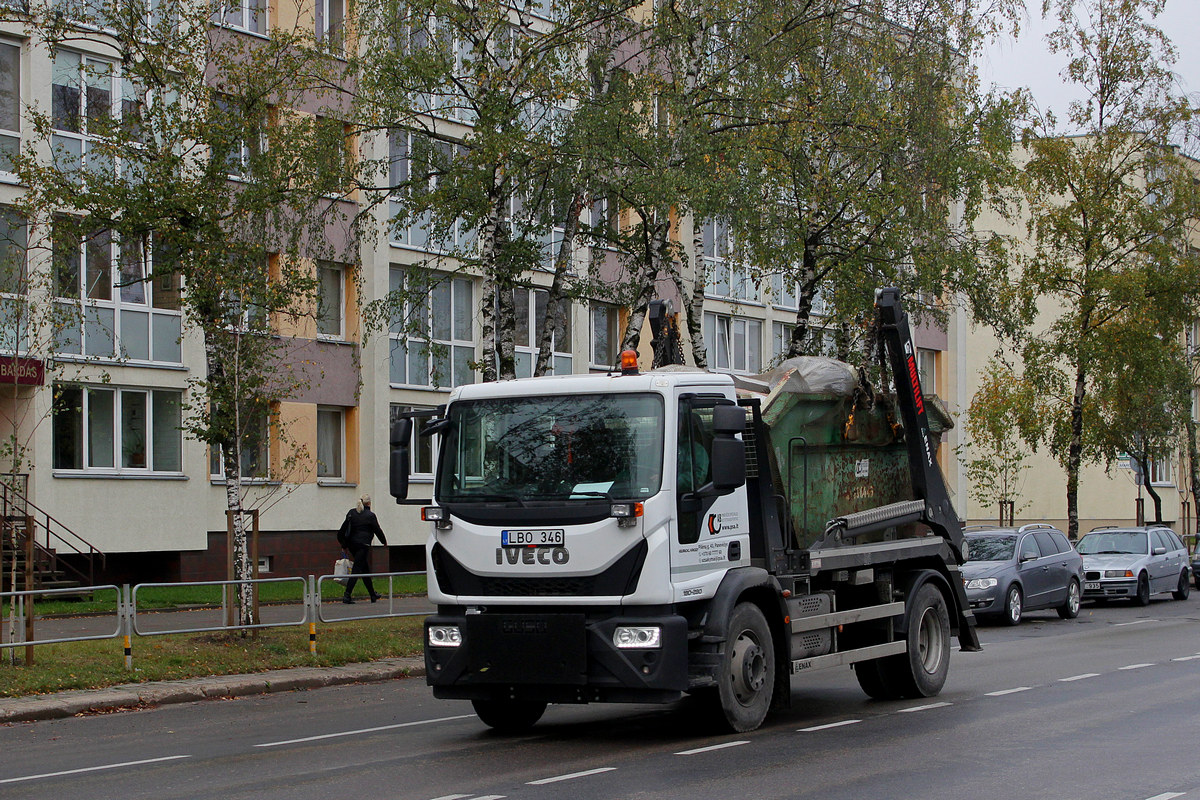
<point>1013,605</point>
<point>1142,598</point>
<point>509,716</point>
<point>1070,609</point>
<point>1184,588</point>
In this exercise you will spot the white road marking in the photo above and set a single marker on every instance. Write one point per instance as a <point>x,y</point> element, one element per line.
<point>710,748</point>
<point>1187,658</point>
<point>1135,666</point>
<point>364,730</point>
<point>922,708</point>
<point>1003,692</point>
<point>1166,796</point>
<point>572,776</point>
<point>452,797</point>
<point>491,797</point>
<point>829,725</point>
<point>1079,677</point>
<point>1135,622</point>
<point>92,769</point>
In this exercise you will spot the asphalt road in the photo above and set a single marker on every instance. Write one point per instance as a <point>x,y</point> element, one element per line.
<point>1105,707</point>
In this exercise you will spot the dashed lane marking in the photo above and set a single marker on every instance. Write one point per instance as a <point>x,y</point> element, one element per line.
<point>452,797</point>
<point>92,769</point>
<point>922,708</point>
<point>364,730</point>
<point>571,776</point>
<point>1134,622</point>
<point>1187,658</point>
<point>1003,692</point>
<point>1084,676</point>
<point>1135,666</point>
<point>710,748</point>
<point>826,727</point>
<point>1166,796</point>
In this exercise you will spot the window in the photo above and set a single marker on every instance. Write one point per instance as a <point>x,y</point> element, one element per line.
<point>117,430</point>
<point>255,452</point>
<point>127,310</point>
<point>927,370</point>
<point>1160,472</point>
<point>529,307</point>
<point>785,293</point>
<point>331,24</point>
<point>781,340</point>
<point>85,98</point>
<point>726,279</point>
<point>10,103</point>
<point>432,329</point>
<point>693,468</point>
<point>415,166</point>
<point>246,15</point>
<point>604,335</point>
<point>331,300</point>
<point>733,343</point>
<point>243,136</point>
<point>1029,547</point>
<point>331,442</point>
<point>421,448</point>
<point>13,246</point>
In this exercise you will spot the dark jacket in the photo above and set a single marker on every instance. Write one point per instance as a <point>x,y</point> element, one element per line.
<point>358,528</point>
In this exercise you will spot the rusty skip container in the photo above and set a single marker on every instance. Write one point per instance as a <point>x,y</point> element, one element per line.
<point>836,447</point>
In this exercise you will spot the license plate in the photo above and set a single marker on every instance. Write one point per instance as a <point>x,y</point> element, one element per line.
<point>554,537</point>
<point>1091,586</point>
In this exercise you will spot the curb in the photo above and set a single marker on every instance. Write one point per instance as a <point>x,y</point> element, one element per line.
<point>156,693</point>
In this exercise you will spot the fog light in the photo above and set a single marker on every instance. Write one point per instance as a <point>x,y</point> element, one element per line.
<point>637,638</point>
<point>444,636</point>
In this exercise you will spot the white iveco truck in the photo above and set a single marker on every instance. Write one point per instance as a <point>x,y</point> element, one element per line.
<point>634,537</point>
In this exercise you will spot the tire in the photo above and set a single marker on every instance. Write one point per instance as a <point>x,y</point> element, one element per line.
<point>1142,598</point>
<point>746,672</point>
<point>1070,608</point>
<point>1013,605</point>
<point>509,716</point>
<point>873,677</point>
<point>920,671</point>
<point>1184,589</point>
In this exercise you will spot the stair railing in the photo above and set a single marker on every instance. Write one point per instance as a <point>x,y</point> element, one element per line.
<point>53,534</point>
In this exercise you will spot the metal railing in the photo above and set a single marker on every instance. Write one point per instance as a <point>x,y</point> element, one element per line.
<point>130,621</point>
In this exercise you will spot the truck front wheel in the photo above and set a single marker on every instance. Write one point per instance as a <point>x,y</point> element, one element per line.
<point>509,716</point>
<point>746,676</point>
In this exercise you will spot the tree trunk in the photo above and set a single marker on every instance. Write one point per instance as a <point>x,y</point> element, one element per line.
<point>1194,471</point>
<point>1144,461</point>
<point>693,301</point>
<point>488,229</point>
<point>657,251</point>
<point>562,263</point>
<point>804,303</point>
<point>1075,453</point>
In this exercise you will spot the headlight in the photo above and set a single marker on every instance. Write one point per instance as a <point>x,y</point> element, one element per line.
<point>631,638</point>
<point>444,636</point>
<point>1117,573</point>
<point>982,583</point>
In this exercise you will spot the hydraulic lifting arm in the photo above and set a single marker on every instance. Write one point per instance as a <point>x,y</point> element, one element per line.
<point>928,483</point>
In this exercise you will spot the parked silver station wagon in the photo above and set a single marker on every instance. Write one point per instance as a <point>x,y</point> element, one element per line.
<point>1134,563</point>
<point>1009,571</point>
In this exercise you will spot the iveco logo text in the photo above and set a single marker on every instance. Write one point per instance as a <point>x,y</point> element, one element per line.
<point>529,555</point>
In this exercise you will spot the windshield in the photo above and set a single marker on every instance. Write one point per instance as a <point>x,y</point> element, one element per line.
<point>1113,542</point>
<point>990,548</point>
<point>561,447</point>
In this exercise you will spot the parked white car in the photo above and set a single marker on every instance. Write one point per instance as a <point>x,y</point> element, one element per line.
<point>1134,563</point>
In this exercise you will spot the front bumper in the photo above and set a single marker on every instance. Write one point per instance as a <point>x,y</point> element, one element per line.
<point>556,658</point>
<point>1109,587</point>
<point>986,601</point>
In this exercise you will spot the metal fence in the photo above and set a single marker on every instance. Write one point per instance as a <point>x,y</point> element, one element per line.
<point>129,620</point>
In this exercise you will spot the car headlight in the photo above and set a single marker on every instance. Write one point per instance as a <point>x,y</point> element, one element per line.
<point>444,636</point>
<point>627,637</point>
<point>1117,573</point>
<point>982,583</point>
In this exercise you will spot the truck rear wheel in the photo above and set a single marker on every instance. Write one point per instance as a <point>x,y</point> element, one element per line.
<point>921,670</point>
<point>509,716</point>
<point>746,675</point>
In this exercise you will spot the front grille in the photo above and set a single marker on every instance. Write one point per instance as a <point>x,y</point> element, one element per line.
<point>1091,576</point>
<point>537,587</point>
<point>812,605</point>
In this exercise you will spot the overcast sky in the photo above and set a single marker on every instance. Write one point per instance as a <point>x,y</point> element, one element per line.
<point>1027,62</point>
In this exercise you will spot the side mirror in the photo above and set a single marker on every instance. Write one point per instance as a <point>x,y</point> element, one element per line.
<point>729,419</point>
<point>1160,551</point>
<point>728,462</point>
<point>1028,557</point>
<point>401,435</point>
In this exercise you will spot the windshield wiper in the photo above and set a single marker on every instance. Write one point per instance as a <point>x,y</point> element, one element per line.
<point>1112,553</point>
<point>488,498</point>
<point>590,493</point>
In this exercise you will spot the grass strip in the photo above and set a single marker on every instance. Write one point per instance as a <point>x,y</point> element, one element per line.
<point>96,664</point>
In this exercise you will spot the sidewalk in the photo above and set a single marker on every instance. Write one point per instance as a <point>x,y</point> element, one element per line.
<point>155,693</point>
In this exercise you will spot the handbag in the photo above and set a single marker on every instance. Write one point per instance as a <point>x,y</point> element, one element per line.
<point>341,570</point>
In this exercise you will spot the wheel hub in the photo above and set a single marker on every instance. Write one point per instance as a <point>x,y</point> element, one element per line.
<point>749,668</point>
